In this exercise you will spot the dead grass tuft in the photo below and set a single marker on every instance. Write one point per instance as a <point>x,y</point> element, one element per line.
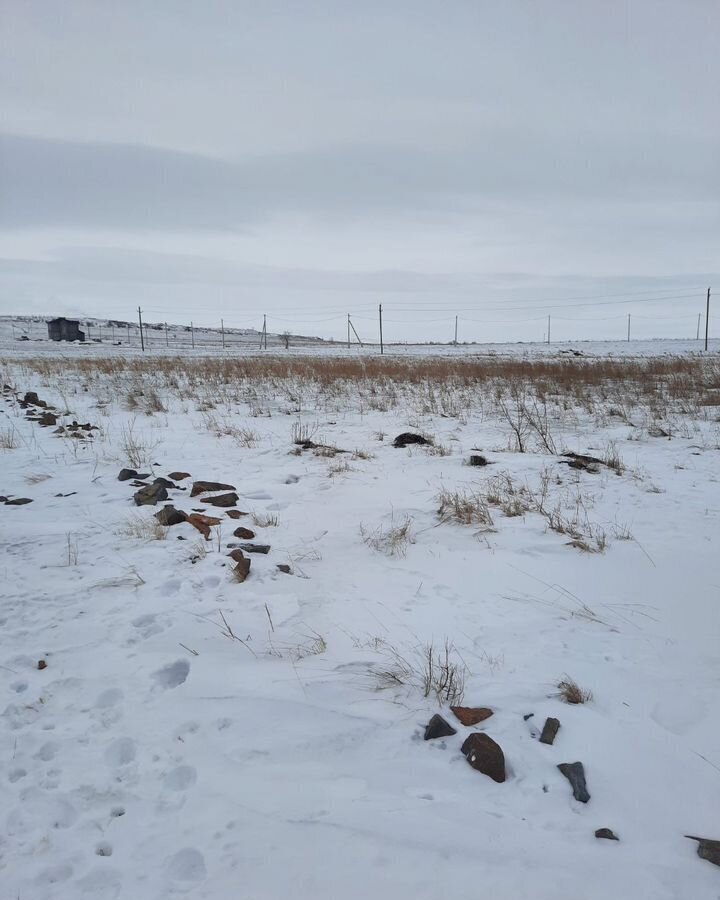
<point>571,692</point>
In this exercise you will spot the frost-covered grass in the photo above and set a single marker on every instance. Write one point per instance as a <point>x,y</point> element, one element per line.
<point>192,733</point>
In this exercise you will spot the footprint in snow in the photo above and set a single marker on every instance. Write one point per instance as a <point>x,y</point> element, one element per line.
<point>121,752</point>
<point>47,751</point>
<point>172,675</point>
<point>108,698</point>
<point>187,864</point>
<point>180,779</point>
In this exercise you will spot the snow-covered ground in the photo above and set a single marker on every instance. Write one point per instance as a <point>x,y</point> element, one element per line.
<point>194,736</point>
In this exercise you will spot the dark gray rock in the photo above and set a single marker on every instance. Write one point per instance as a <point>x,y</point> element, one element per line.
<point>168,516</point>
<point>485,755</point>
<point>438,727</point>
<point>407,438</point>
<point>222,500</point>
<point>606,833</point>
<point>707,849</point>
<point>477,460</point>
<point>150,495</point>
<point>202,487</point>
<point>18,501</point>
<point>575,774</point>
<point>550,730</point>
<point>284,568</point>
<point>253,548</point>
<point>127,474</point>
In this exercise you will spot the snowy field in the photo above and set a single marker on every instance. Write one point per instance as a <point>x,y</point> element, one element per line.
<point>170,730</point>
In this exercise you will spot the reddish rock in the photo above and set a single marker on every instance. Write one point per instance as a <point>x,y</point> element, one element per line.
<point>471,715</point>
<point>235,513</point>
<point>202,523</point>
<point>202,487</point>
<point>221,500</point>
<point>485,755</point>
<point>242,569</point>
<point>178,476</point>
<point>42,664</point>
<point>246,533</point>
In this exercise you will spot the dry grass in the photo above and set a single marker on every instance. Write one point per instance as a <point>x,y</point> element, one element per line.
<point>392,540</point>
<point>136,450</point>
<point>435,672</point>
<point>463,507</point>
<point>571,692</point>
<point>265,520</point>
<point>136,526</point>
<point>9,439</point>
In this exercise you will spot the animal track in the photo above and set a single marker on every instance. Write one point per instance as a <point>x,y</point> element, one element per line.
<point>108,698</point>
<point>47,752</point>
<point>172,675</point>
<point>16,774</point>
<point>180,779</point>
<point>121,752</point>
<point>187,864</point>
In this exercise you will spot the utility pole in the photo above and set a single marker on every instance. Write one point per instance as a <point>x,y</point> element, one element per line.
<point>192,335</point>
<point>548,329</point>
<point>707,316</point>
<point>113,333</point>
<point>142,339</point>
<point>222,328</point>
<point>455,341</point>
<point>628,326</point>
<point>381,336</point>
<point>166,336</point>
<point>356,335</point>
<point>265,329</point>
<point>128,333</point>
<point>697,336</point>
<point>348,331</point>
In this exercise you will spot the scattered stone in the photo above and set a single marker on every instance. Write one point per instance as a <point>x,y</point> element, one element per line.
<point>707,849</point>
<point>127,474</point>
<point>471,715</point>
<point>178,476</point>
<point>438,727</point>
<point>255,548</point>
<point>485,755</point>
<point>70,494</point>
<point>202,523</point>
<point>236,554</point>
<point>222,500</point>
<point>528,716</point>
<point>32,398</point>
<point>150,495</point>
<point>606,833</point>
<point>581,461</point>
<point>18,501</point>
<point>235,513</point>
<point>575,774</point>
<point>166,482</point>
<point>168,516</point>
<point>202,487</point>
<point>42,664</point>
<point>247,533</point>
<point>47,418</point>
<point>242,570</point>
<point>550,730</point>
<point>407,438</point>
<point>477,460</point>
<point>285,568</point>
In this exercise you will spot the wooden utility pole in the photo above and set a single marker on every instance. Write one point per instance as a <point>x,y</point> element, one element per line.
<point>167,344</point>
<point>356,335</point>
<point>628,326</point>
<point>455,341</point>
<point>192,335</point>
<point>548,329</point>
<point>381,336</point>
<point>348,331</point>
<point>142,339</point>
<point>707,316</point>
<point>128,332</point>
<point>222,329</point>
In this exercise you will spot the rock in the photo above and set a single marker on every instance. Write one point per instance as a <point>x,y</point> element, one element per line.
<point>575,774</point>
<point>235,513</point>
<point>179,476</point>
<point>241,570</point>
<point>166,482</point>
<point>707,849</point>
<point>245,533</point>
<point>42,664</point>
<point>407,437</point>
<point>47,418</point>
<point>150,495</point>
<point>168,516</point>
<point>18,501</point>
<point>202,523</point>
<point>477,460</point>
<point>285,568</point>
<point>528,716</point>
<point>485,755</point>
<point>127,474</point>
<point>606,833</point>
<point>221,500</point>
<point>255,548</point>
<point>438,727</point>
<point>550,729</point>
<point>202,487</point>
<point>32,398</point>
<point>471,715</point>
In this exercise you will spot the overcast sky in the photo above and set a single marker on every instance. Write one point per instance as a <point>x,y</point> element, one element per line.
<point>495,160</point>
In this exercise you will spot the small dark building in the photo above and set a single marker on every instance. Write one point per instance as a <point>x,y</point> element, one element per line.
<point>65,330</point>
